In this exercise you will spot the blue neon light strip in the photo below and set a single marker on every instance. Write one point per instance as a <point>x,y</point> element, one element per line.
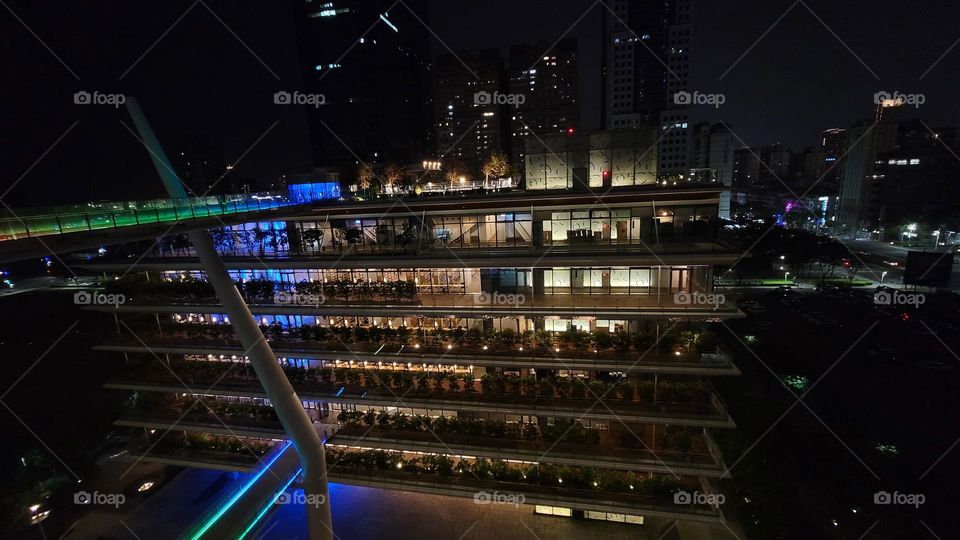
<point>340,391</point>
<point>269,504</point>
<point>236,496</point>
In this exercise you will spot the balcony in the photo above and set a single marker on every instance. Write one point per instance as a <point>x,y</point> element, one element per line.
<point>397,356</point>
<point>657,449</point>
<point>676,403</point>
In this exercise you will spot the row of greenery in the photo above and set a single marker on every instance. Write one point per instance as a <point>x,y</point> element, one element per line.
<point>204,443</point>
<point>564,431</point>
<point>149,403</point>
<point>641,389</point>
<point>578,478</point>
<point>675,438</point>
<point>541,341</point>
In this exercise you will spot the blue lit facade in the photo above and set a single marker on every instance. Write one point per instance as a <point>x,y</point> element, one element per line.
<point>313,191</point>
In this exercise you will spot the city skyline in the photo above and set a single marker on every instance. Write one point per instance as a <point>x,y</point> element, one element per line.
<point>416,269</point>
<point>201,112</point>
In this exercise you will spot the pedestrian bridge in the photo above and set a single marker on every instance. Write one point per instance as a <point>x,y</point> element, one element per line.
<point>38,232</point>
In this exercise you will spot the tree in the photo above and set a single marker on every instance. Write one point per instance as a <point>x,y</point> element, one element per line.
<point>365,177</point>
<point>393,174</point>
<point>496,165</point>
<point>454,171</point>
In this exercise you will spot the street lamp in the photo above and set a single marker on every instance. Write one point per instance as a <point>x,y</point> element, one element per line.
<point>785,274</point>
<point>883,275</point>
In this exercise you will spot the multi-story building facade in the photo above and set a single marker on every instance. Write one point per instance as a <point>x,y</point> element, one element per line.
<point>916,180</point>
<point>646,48</point>
<point>865,141</point>
<point>448,346</point>
<point>647,64</point>
<point>470,121</point>
<point>370,59</point>
<point>713,150</point>
<point>546,77</point>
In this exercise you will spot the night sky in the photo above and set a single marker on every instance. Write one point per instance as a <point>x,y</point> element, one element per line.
<point>200,82</point>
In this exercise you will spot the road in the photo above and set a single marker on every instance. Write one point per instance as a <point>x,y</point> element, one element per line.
<point>882,257</point>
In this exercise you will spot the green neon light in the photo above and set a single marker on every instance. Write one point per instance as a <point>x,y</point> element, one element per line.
<point>236,496</point>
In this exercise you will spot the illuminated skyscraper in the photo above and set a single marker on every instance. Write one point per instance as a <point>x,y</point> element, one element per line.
<point>371,61</point>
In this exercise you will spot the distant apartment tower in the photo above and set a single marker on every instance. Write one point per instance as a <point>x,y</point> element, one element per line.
<point>202,168</point>
<point>546,77</point>
<point>833,141</point>
<point>720,159</point>
<point>746,168</point>
<point>371,61</point>
<point>865,141</point>
<point>917,180</point>
<point>647,48</point>
<point>470,123</point>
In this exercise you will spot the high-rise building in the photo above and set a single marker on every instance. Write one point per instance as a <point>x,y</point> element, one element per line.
<point>865,140</point>
<point>647,50</point>
<point>647,64</point>
<point>546,77</point>
<point>917,180</point>
<point>746,168</point>
<point>833,142</point>
<point>202,168</point>
<point>370,59</point>
<point>720,159</point>
<point>470,105</point>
